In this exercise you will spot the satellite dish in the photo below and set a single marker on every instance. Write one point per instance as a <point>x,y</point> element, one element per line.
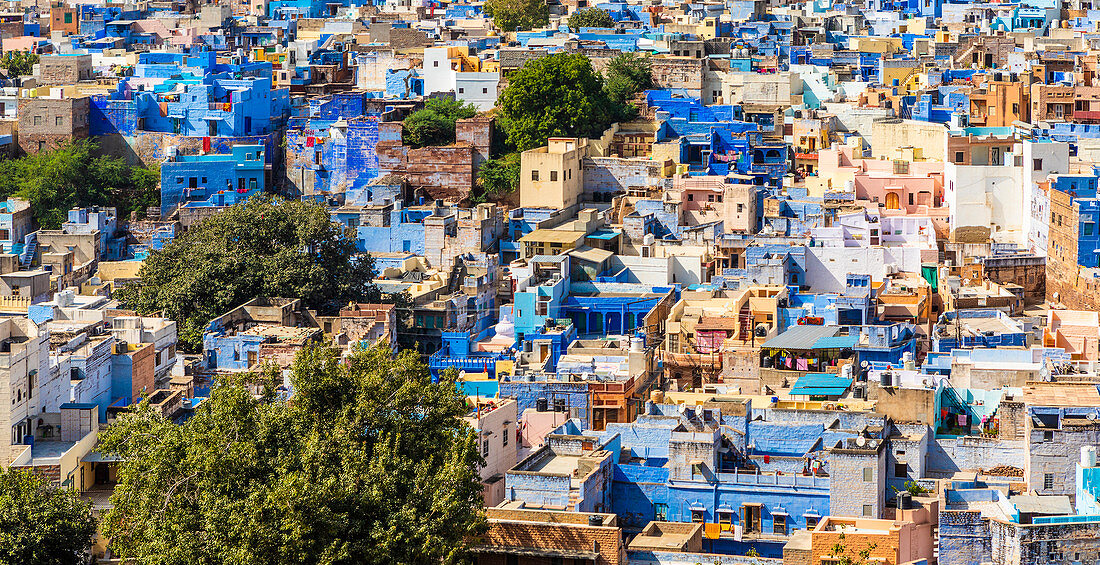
<point>682,408</point>
<point>864,364</point>
<point>1091,415</point>
<point>861,441</point>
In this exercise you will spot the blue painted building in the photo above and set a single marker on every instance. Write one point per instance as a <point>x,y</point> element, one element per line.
<point>212,180</point>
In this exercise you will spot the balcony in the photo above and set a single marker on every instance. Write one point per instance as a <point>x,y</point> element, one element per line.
<point>1086,116</point>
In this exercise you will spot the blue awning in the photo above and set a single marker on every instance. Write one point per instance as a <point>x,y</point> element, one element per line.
<point>604,234</point>
<point>820,384</point>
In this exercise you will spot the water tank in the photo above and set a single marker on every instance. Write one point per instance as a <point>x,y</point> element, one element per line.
<point>541,405</point>
<point>657,396</point>
<point>595,520</point>
<point>1088,456</point>
<point>637,342</point>
<point>886,379</point>
<point>905,500</point>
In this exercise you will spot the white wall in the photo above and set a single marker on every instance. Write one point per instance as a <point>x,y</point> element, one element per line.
<point>479,89</point>
<point>827,267</point>
<point>1036,205</point>
<point>438,75</point>
<point>987,196</point>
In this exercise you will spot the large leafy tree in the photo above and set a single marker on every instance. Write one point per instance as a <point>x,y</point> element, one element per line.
<point>522,15</point>
<point>499,177</point>
<point>368,463</point>
<point>628,74</point>
<point>557,95</point>
<point>40,523</point>
<point>56,181</point>
<point>18,63</point>
<point>435,123</point>
<point>265,246</point>
<point>590,17</point>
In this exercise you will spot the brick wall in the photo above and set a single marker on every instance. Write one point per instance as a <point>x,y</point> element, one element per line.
<point>527,529</point>
<point>46,124</point>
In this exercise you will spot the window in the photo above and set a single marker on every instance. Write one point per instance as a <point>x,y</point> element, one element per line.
<point>485,448</point>
<point>910,198</point>
<point>779,524</point>
<point>1015,108</point>
<point>553,176</point>
<point>58,121</point>
<point>1048,436</point>
<point>505,434</point>
<point>958,156</point>
<point>559,405</point>
<point>691,197</point>
<point>740,208</point>
<point>868,510</point>
<point>435,63</point>
<point>1088,229</point>
<point>901,470</point>
<point>1037,164</point>
<point>461,90</point>
<point>534,175</point>
<point>485,91</point>
<point>868,474</point>
<point>710,198</point>
<point>811,522</point>
<point>660,512</point>
<point>38,120</point>
<point>697,515</point>
<point>1048,481</point>
<point>69,18</point>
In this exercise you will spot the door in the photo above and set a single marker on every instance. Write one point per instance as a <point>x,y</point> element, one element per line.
<point>751,516</point>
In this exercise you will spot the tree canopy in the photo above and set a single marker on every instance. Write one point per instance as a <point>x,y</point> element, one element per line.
<point>557,95</point>
<point>590,17</point>
<point>18,63</point>
<point>265,246</point>
<point>435,123</point>
<point>627,75</point>
<point>40,523</point>
<point>369,462</point>
<point>56,181</point>
<point>499,177</point>
<point>513,15</point>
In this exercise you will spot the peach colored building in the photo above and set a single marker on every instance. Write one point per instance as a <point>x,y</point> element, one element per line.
<point>839,164</point>
<point>712,198</point>
<point>891,542</point>
<point>1076,331</point>
<point>905,193</point>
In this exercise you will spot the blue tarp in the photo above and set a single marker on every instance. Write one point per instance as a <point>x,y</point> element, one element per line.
<point>820,384</point>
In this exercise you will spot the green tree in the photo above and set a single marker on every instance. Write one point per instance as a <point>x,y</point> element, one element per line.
<point>557,95</point>
<point>72,176</point>
<point>499,177</point>
<point>265,246</point>
<point>435,123</point>
<point>18,63</point>
<point>628,74</point>
<point>369,462</point>
<point>513,15</point>
<point>40,523</point>
<point>590,17</point>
